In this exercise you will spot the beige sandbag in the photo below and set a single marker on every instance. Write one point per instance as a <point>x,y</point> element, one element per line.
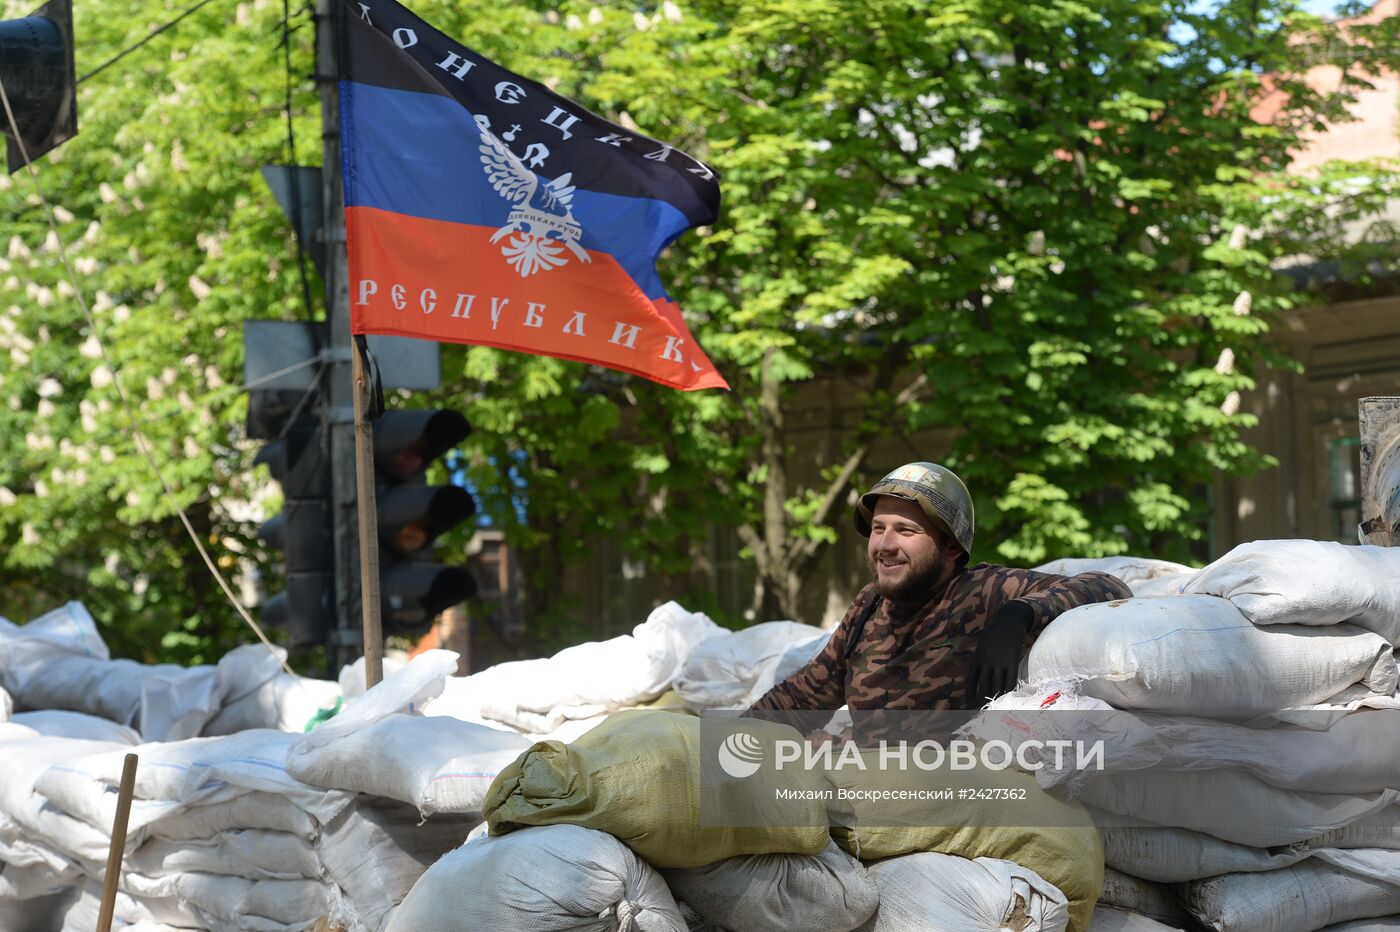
<point>637,777</point>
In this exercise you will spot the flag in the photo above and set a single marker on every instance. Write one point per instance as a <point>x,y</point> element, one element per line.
<point>482,208</point>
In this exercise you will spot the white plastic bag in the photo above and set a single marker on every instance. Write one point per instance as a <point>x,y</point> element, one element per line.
<point>924,891</point>
<point>1197,655</point>
<point>555,877</point>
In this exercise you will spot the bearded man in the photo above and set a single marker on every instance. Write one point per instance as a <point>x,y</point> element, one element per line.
<point>929,632</point>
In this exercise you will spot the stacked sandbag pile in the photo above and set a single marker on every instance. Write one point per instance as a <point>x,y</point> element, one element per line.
<point>1254,761</point>
<point>564,695</point>
<point>60,662</point>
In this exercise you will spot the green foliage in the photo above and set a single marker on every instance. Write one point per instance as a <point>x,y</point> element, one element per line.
<point>175,241</point>
<point>1013,222</point>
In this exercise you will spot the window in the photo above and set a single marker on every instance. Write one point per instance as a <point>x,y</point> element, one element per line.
<point>1344,467</point>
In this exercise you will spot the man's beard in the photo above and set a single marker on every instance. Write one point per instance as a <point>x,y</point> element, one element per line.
<point>916,585</point>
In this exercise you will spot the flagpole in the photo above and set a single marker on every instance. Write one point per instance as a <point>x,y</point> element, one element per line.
<point>369,519</point>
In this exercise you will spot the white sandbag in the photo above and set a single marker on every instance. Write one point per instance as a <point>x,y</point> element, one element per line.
<point>1382,924</point>
<point>189,772</point>
<point>7,705</point>
<point>436,764</point>
<point>1231,805</point>
<point>724,671</point>
<point>266,811</point>
<point>1197,655</point>
<point>40,914</point>
<point>1176,855</point>
<point>555,877</point>
<point>1306,896</point>
<point>1309,582</point>
<point>1356,754</point>
<point>25,810</point>
<point>27,883</point>
<point>1154,900</point>
<point>352,676</point>
<point>376,850</point>
<point>404,690</point>
<point>1144,575</point>
<point>249,853</point>
<point>284,703</point>
<point>827,892</point>
<point>57,723</point>
<point>927,890</point>
<point>586,680</point>
<point>1380,829</point>
<point>1113,919</point>
<point>224,902</point>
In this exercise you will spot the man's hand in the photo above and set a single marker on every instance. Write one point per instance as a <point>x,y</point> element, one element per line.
<point>998,657</point>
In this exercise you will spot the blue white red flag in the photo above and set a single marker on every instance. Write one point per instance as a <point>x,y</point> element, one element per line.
<point>483,208</point>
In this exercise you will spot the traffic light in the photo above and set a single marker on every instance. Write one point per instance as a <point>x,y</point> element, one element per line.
<point>412,514</point>
<point>302,530</point>
<point>36,66</point>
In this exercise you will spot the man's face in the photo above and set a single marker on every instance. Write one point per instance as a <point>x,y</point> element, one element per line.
<point>908,556</point>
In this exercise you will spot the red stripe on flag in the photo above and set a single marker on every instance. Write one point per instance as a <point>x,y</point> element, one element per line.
<point>447,282</point>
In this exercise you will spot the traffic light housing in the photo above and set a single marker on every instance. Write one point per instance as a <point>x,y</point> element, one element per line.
<point>305,609</point>
<point>36,66</point>
<point>413,514</point>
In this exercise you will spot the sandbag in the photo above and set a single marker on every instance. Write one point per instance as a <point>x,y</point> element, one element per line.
<point>7,705</point>
<point>732,670</point>
<point>1143,575</point>
<point>224,902</point>
<point>40,914</point>
<point>558,877</point>
<point>249,853</point>
<point>919,892</point>
<point>1176,855</point>
<point>437,764</point>
<point>57,723</point>
<point>1053,838</point>
<point>1231,805</point>
<point>1197,655</point>
<point>1154,900</point>
<point>256,810</point>
<point>1382,924</point>
<point>1306,896</point>
<point>25,810</point>
<point>637,777</point>
<point>1113,919</point>
<point>284,703</point>
<point>1309,582</point>
<point>1380,829</point>
<point>826,892</point>
<point>375,850</point>
<point>33,881</point>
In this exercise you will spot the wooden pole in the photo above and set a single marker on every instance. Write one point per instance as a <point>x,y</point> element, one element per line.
<point>369,521</point>
<point>118,846</point>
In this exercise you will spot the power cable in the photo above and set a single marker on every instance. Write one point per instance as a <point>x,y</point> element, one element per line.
<point>155,32</point>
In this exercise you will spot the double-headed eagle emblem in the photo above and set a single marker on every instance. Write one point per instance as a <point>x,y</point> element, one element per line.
<point>541,224</point>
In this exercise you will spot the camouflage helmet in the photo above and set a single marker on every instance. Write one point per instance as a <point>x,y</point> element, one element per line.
<point>936,490</point>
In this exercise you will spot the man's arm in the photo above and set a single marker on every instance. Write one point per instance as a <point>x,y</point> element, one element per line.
<point>821,684</point>
<point>1050,596</point>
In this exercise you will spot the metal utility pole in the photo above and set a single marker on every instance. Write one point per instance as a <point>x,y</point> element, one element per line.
<point>339,411</point>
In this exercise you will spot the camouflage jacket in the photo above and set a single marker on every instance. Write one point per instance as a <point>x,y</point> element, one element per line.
<point>919,659</point>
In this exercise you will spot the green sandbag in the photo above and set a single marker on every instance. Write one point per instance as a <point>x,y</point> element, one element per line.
<point>637,777</point>
<point>1056,839</point>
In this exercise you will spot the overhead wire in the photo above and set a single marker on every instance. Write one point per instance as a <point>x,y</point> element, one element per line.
<point>139,438</point>
<point>153,33</point>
